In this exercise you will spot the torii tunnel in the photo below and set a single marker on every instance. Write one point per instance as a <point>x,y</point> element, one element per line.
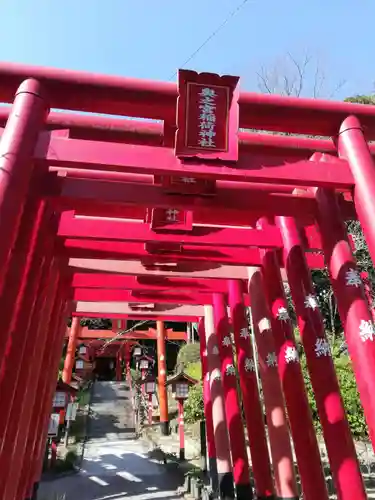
<point>195,214</point>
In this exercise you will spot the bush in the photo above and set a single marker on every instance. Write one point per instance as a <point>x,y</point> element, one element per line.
<point>194,408</point>
<point>194,370</point>
<point>136,375</point>
<point>189,353</point>
<point>349,393</point>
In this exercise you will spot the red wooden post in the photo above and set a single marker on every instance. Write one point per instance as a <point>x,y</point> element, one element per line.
<point>207,402</point>
<point>17,355</point>
<point>162,378</point>
<point>118,367</point>
<point>277,425</point>
<point>75,330</point>
<point>181,428</point>
<point>301,424</point>
<point>47,382</point>
<point>352,146</point>
<point>223,456</point>
<point>17,145</point>
<point>25,436</point>
<point>351,300</point>
<point>25,396</point>
<point>340,447</point>
<point>39,450</point>
<point>250,395</point>
<point>18,269</point>
<point>241,473</point>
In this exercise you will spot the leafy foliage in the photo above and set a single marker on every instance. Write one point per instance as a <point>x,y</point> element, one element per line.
<point>361,99</point>
<point>349,393</point>
<point>94,323</point>
<point>188,353</point>
<point>194,370</point>
<point>193,408</point>
<point>97,323</point>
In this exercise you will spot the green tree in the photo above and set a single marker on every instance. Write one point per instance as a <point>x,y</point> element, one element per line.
<point>188,353</point>
<point>361,99</point>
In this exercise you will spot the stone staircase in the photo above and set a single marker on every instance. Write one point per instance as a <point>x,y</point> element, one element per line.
<point>111,412</point>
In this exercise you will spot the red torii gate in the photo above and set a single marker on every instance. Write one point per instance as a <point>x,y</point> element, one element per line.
<point>192,194</point>
<point>97,341</point>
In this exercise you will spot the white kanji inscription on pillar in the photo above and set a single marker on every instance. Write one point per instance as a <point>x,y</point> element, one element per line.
<point>230,370</point>
<point>249,365</point>
<point>282,314</point>
<point>311,302</point>
<point>271,359</point>
<point>366,330</point>
<point>291,354</point>
<point>322,348</point>
<point>244,333</point>
<point>353,278</point>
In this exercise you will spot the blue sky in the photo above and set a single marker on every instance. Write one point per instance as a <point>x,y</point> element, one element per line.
<point>152,38</point>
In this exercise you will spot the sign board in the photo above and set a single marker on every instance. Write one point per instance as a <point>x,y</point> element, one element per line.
<point>171,219</point>
<point>207,116</point>
<point>71,411</point>
<point>79,364</point>
<point>82,349</point>
<point>59,400</point>
<point>53,426</point>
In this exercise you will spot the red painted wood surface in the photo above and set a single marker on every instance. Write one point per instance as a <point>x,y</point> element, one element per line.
<point>94,192</point>
<point>115,295</point>
<point>82,91</point>
<point>86,334</point>
<point>130,250</point>
<point>149,283</point>
<point>150,160</point>
<point>71,226</point>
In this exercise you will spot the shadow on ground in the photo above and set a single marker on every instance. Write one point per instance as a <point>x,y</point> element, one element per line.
<point>116,475</point>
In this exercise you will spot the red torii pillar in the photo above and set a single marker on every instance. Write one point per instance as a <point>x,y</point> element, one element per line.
<point>352,146</point>
<point>29,112</point>
<point>32,466</point>
<point>75,330</point>
<point>207,402</point>
<point>352,303</point>
<point>250,395</point>
<point>301,424</point>
<point>223,456</point>
<point>241,472</point>
<point>17,362</point>
<point>340,447</point>
<point>277,424</point>
<point>23,428</point>
<point>162,377</point>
